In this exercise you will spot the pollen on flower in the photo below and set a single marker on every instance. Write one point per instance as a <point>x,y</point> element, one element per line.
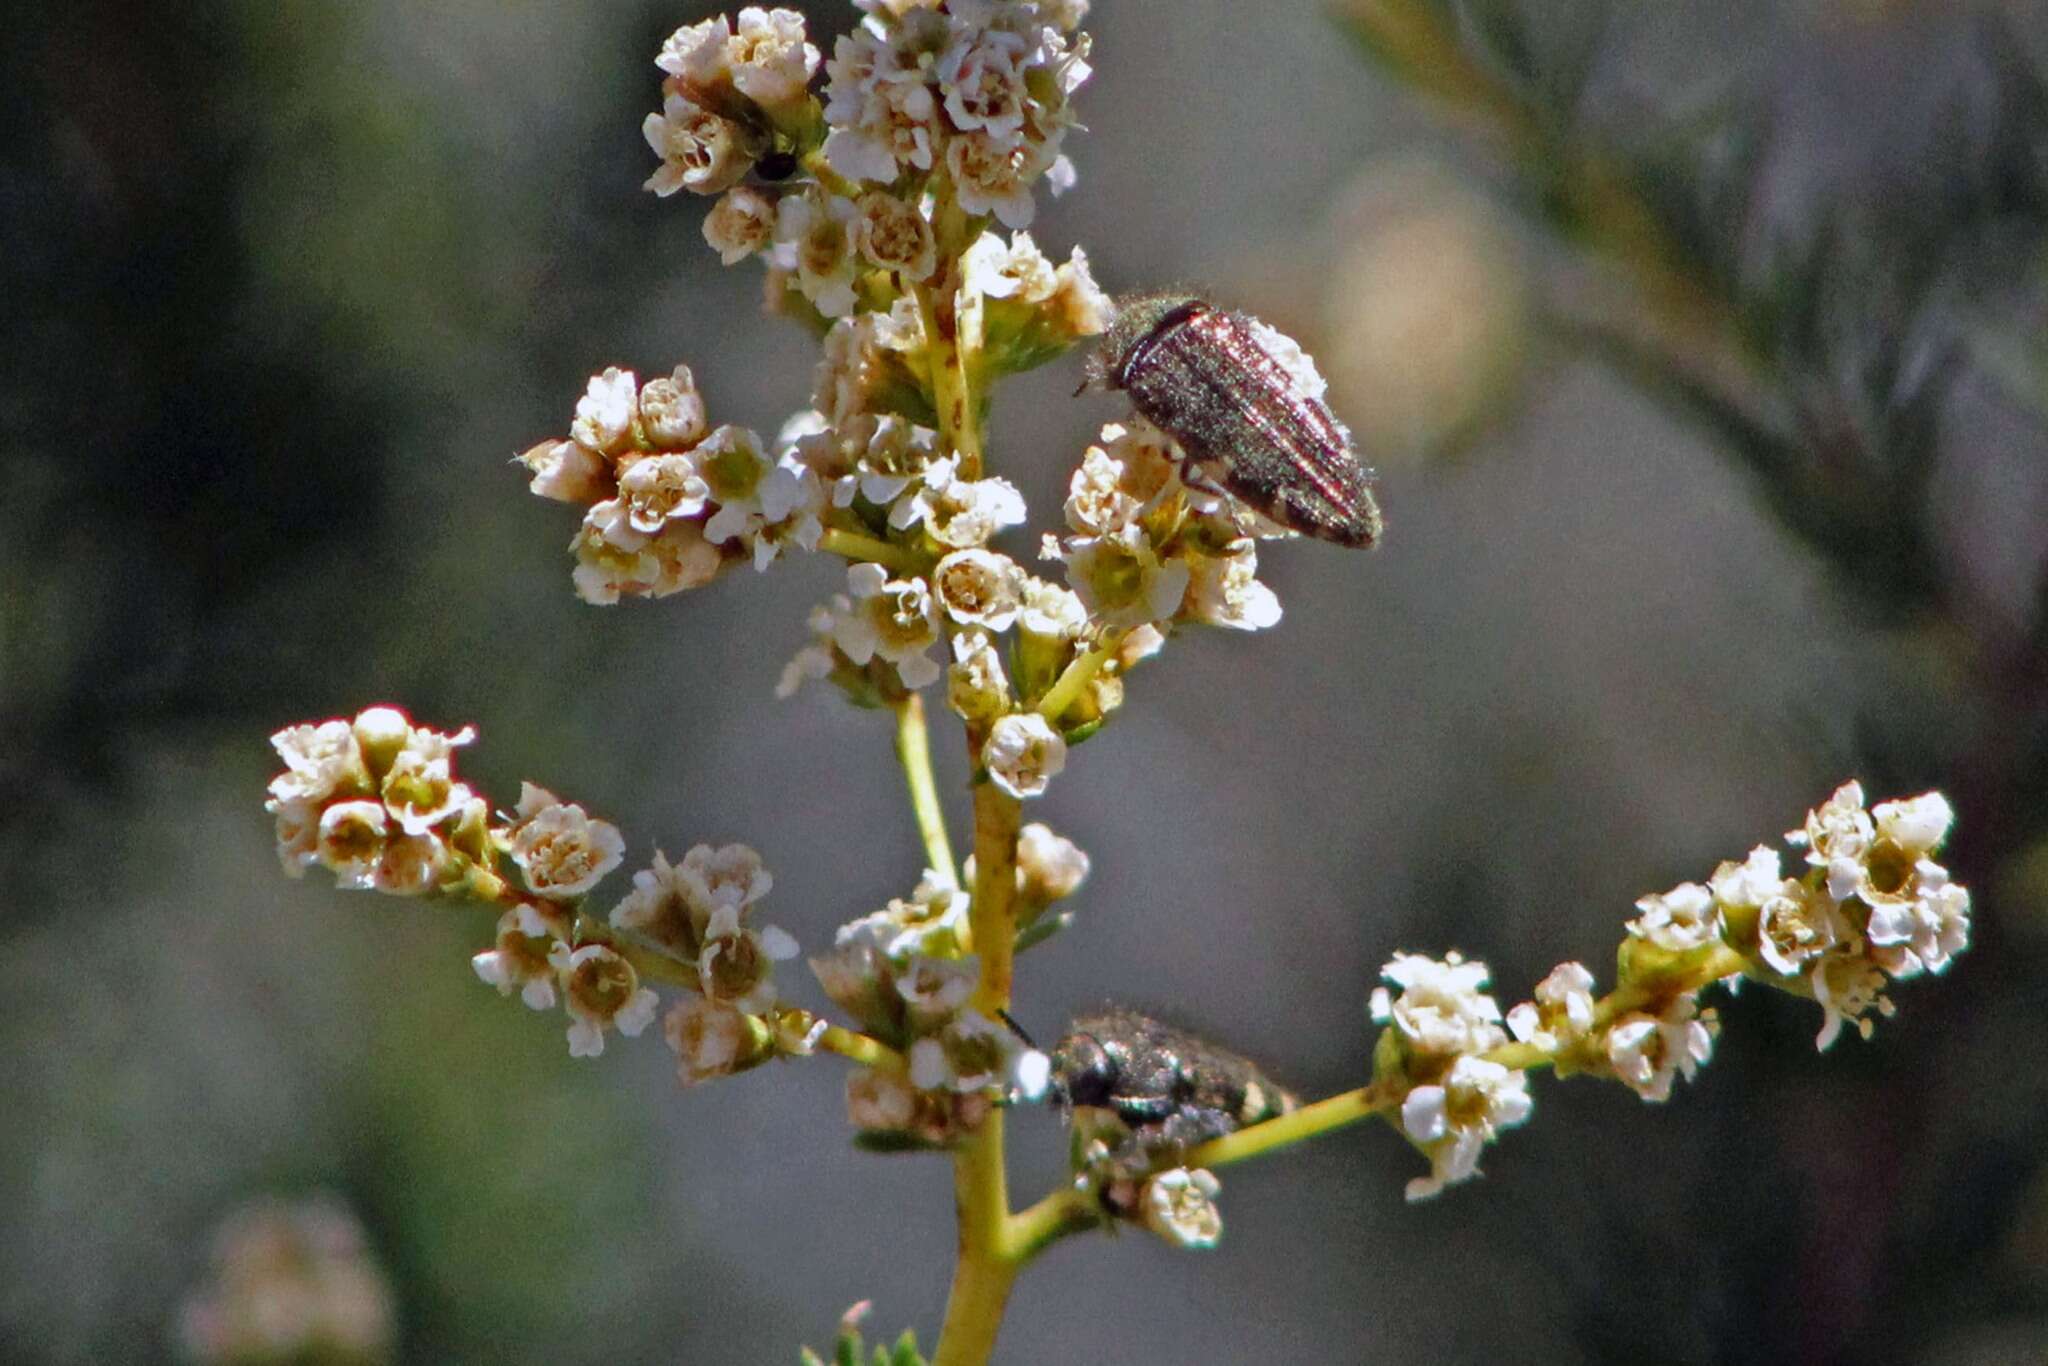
<point>601,992</point>
<point>977,689</point>
<point>893,619</point>
<point>559,848</point>
<point>979,588</point>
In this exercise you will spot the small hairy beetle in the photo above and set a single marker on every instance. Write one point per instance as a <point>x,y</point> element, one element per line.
<point>1247,413</point>
<point>1170,1088</point>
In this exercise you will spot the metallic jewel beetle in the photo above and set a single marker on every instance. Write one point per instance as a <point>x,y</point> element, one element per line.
<point>1170,1088</point>
<point>1243,416</point>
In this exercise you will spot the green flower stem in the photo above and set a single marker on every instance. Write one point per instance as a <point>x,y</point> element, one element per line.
<point>914,752</point>
<point>1333,1112</point>
<point>862,1049</point>
<point>991,917</point>
<point>986,1270</point>
<point>1341,1111</point>
<point>1075,678</point>
<point>953,353</point>
<point>1065,1211</point>
<point>855,546</point>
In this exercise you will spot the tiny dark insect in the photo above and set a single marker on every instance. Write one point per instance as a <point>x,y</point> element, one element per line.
<point>1172,1089</point>
<point>776,166</point>
<point>1203,375</point>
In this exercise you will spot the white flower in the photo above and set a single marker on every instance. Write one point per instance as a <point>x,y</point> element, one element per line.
<point>1562,1011</point>
<point>520,961</point>
<point>877,1100</point>
<point>1838,829</point>
<point>317,759</point>
<point>1018,270</point>
<point>1180,1206</point>
<point>893,234</point>
<point>1796,927</point>
<point>976,686</point>
<point>351,842</point>
<point>561,851</point>
<point>935,989</point>
<point>605,413</point>
<point>932,922</point>
<point>882,115</point>
<point>665,908</point>
<point>961,513</point>
<point>737,961</point>
<point>1680,920</point>
<point>672,410</point>
<point>896,619</point>
<point>1122,580</point>
<point>1098,503</point>
<point>1078,303</point>
<point>1921,934</point>
<point>1917,825</point>
<point>1050,867</point>
<point>567,471</point>
<point>1224,591</point>
<point>697,53</point>
<point>656,489</point>
<point>771,64</point>
<point>1648,1051</point>
<point>1453,1121</point>
<point>1441,1008</point>
<point>979,588</point>
<point>994,176</point>
<point>814,661</point>
<point>420,788</point>
<point>600,991</point>
<point>741,223</point>
<point>819,227</point>
<point>971,1053</point>
<point>298,834</point>
<point>1051,610</point>
<point>700,151</point>
<point>707,1037</point>
<point>736,474</point>
<point>844,384</point>
<point>1751,883</point>
<point>1023,754</point>
<point>983,81</point>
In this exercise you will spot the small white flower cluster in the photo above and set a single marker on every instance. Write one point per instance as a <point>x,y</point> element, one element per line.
<point>902,975</point>
<point>695,912</point>
<point>1456,1101</point>
<point>1873,904</point>
<point>731,96</point>
<point>375,802</point>
<point>962,104</point>
<point>562,853</point>
<point>1147,549</point>
<point>670,502</point>
<point>978,87</point>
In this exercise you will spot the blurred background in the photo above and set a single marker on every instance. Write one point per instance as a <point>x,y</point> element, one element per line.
<point>1700,345</point>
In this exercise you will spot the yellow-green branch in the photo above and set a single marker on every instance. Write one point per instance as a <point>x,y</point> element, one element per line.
<point>914,752</point>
